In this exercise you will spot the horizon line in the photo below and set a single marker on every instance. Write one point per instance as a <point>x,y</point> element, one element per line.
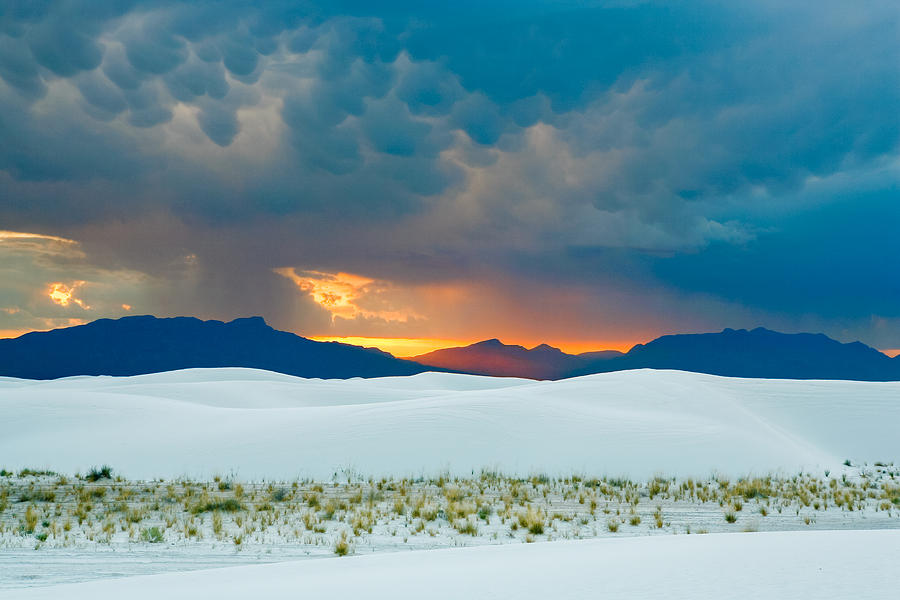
<point>410,347</point>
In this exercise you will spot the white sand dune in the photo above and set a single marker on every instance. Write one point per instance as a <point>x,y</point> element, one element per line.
<point>823,565</point>
<point>257,424</point>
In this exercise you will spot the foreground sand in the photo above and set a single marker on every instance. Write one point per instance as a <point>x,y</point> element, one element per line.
<point>823,565</point>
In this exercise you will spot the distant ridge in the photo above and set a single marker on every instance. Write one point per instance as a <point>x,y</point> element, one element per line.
<point>146,344</point>
<point>492,357</point>
<point>759,353</point>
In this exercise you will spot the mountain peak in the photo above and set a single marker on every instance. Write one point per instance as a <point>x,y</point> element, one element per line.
<point>546,348</point>
<point>249,322</point>
<point>491,342</point>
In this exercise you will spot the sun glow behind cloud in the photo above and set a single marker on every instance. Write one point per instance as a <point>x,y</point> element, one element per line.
<point>348,296</point>
<point>407,319</point>
<point>48,281</point>
<point>64,295</point>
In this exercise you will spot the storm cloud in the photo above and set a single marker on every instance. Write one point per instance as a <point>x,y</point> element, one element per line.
<point>640,166</point>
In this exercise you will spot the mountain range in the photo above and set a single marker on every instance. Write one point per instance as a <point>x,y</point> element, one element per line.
<point>146,344</point>
<point>732,352</point>
<point>492,357</point>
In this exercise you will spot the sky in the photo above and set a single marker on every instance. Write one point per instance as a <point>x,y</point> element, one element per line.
<point>588,174</point>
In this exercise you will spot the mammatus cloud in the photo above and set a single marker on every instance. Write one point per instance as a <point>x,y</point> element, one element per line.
<point>532,147</point>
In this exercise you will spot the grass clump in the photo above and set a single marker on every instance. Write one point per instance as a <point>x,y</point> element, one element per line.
<point>532,521</point>
<point>342,545</point>
<point>465,527</point>
<point>31,519</point>
<point>33,495</point>
<point>98,473</point>
<point>226,505</point>
<point>34,473</point>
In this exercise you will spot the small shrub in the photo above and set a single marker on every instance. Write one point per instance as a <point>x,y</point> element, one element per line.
<point>730,517</point>
<point>152,535</point>
<point>98,473</point>
<point>612,525</point>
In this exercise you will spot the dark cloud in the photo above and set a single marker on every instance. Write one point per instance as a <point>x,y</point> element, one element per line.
<point>151,47</point>
<point>63,49</point>
<point>638,145</point>
<point>219,123</point>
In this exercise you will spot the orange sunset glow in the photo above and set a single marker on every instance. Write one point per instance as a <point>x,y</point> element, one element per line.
<point>63,294</point>
<point>404,347</point>
<point>341,294</point>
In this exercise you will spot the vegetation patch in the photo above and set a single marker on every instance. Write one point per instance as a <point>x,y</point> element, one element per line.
<point>335,517</point>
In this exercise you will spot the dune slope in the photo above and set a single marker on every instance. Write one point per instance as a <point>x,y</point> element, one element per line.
<point>257,424</point>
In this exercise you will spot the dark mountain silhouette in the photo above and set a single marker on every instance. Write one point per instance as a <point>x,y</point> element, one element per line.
<point>492,357</point>
<point>756,353</point>
<point>146,344</point>
<point>735,353</point>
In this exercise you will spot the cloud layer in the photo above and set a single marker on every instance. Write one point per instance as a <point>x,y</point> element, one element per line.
<point>679,164</point>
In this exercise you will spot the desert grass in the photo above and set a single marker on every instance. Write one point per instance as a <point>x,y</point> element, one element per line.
<point>41,509</point>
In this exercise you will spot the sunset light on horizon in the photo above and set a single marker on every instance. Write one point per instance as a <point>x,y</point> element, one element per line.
<point>407,347</point>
